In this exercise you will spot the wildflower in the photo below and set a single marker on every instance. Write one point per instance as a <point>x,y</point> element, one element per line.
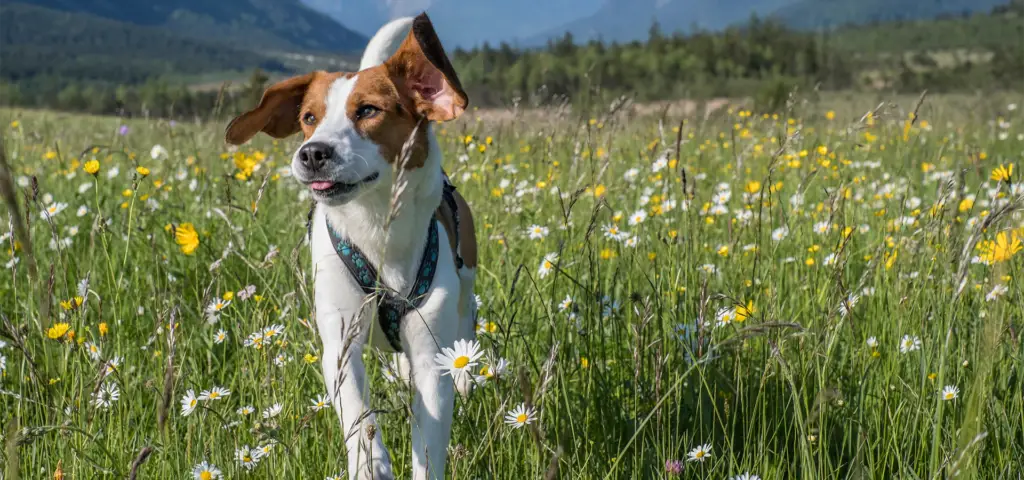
<point>638,217</point>
<point>93,350</point>
<point>631,174</point>
<point>204,470</point>
<point>537,232</point>
<point>547,264</point>
<point>659,164</point>
<point>113,364</point>
<point>631,241</point>
<point>106,395</point>
<point>92,167</point>
<point>673,467</point>
<point>872,342</point>
<point>247,292</point>
<point>219,337</point>
<point>213,310</point>
<point>1002,173</point>
<point>247,458</point>
<point>950,392</point>
<point>613,232</point>
<point>460,360</point>
<point>122,132</point>
<point>1004,247</point>
<point>909,344</point>
<point>215,393</point>
<point>700,453</point>
<point>320,403</point>
<point>52,210</point>
<point>158,152</point>
<point>745,312</point>
<point>57,331</point>
<point>997,291</point>
<point>780,233</point>
<point>822,228</point>
<point>189,402</point>
<point>745,476</point>
<point>273,331</point>
<point>187,238</point>
<point>520,416</point>
<point>488,372</point>
<point>273,411</point>
<point>245,411</point>
<point>565,304</point>
<point>142,171</point>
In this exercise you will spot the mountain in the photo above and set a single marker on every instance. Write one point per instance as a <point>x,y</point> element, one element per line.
<point>284,25</point>
<point>463,23</point>
<point>531,23</point>
<point>809,14</point>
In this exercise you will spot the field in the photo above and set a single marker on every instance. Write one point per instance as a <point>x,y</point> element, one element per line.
<point>832,292</point>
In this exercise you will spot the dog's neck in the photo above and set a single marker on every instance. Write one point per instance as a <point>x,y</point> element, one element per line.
<point>395,248</point>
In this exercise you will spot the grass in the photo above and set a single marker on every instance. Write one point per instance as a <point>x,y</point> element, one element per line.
<point>710,329</point>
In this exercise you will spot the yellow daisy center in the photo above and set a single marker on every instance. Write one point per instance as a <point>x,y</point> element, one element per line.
<point>700,454</point>
<point>214,394</point>
<point>192,402</point>
<point>461,362</point>
<point>206,475</point>
<point>949,395</point>
<point>521,418</point>
<point>485,371</point>
<point>547,264</point>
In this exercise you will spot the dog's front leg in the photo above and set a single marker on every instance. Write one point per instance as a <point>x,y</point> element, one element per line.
<point>435,396</point>
<point>345,376</point>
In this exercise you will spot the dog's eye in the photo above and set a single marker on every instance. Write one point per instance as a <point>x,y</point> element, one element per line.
<point>309,118</point>
<point>366,111</point>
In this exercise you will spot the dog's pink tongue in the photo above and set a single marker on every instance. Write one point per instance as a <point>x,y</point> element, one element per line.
<point>320,185</point>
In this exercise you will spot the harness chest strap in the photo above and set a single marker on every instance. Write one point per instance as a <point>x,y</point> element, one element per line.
<point>390,307</point>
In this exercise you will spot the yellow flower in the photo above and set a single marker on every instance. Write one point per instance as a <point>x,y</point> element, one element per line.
<point>57,331</point>
<point>50,155</point>
<point>600,190</point>
<point>607,254</point>
<point>830,115</point>
<point>584,362</point>
<point>1004,247</point>
<point>103,329</point>
<point>187,237</point>
<point>127,192</point>
<point>229,295</point>
<point>1002,173</point>
<point>92,166</point>
<point>753,186</point>
<point>310,358</point>
<point>966,204</point>
<point>15,124</point>
<point>822,150</point>
<point>745,312</point>
<point>142,170</point>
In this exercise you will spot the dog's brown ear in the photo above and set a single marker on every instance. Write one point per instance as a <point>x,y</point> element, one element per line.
<point>277,114</point>
<point>421,70</point>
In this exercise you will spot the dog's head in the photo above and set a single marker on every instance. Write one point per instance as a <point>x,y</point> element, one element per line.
<point>357,125</point>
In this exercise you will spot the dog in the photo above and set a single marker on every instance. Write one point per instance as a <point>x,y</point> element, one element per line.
<point>382,200</point>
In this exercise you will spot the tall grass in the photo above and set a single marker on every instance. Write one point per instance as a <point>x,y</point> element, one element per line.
<point>740,320</point>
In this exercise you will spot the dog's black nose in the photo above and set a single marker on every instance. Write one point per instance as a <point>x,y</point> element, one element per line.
<point>314,155</point>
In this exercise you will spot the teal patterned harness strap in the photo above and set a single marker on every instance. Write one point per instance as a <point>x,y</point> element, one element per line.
<point>390,307</point>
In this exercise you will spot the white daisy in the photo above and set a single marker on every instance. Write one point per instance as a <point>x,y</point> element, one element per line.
<point>113,172</point>
<point>158,152</point>
<point>780,233</point>
<point>106,395</point>
<point>822,228</point>
<point>214,308</point>
<point>245,411</point>
<point>950,392</point>
<point>273,331</point>
<point>547,265</point>
<point>847,305</point>
<point>536,232</point>
<point>53,210</point>
<point>565,304</point>
<point>659,164</point>
<point>82,211</point>
<point>997,291</point>
<point>631,174</point>
<point>638,217</point>
<point>247,458</point>
<point>205,471</point>
<point>93,350</point>
<point>909,344</point>
<point>872,342</point>
<point>520,416</point>
<point>320,403</point>
<point>220,336</point>
<point>489,372</point>
<point>460,360</point>
<point>700,453</point>
<point>273,411</point>
<point>215,393</point>
<point>189,402</point>
<point>745,476</point>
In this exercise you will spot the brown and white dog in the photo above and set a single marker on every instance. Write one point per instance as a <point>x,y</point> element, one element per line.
<point>374,168</point>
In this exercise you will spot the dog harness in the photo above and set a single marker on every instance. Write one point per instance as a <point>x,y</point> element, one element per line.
<point>390,306</point>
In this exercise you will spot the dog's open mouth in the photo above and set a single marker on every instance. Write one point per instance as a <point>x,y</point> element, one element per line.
<point>330,189</point>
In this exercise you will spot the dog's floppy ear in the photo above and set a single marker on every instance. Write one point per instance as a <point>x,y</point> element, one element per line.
<point>277,114</point>
<point>421,70</point>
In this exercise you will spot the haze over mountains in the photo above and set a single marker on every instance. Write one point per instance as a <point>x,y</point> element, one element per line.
<point>527,23</point>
